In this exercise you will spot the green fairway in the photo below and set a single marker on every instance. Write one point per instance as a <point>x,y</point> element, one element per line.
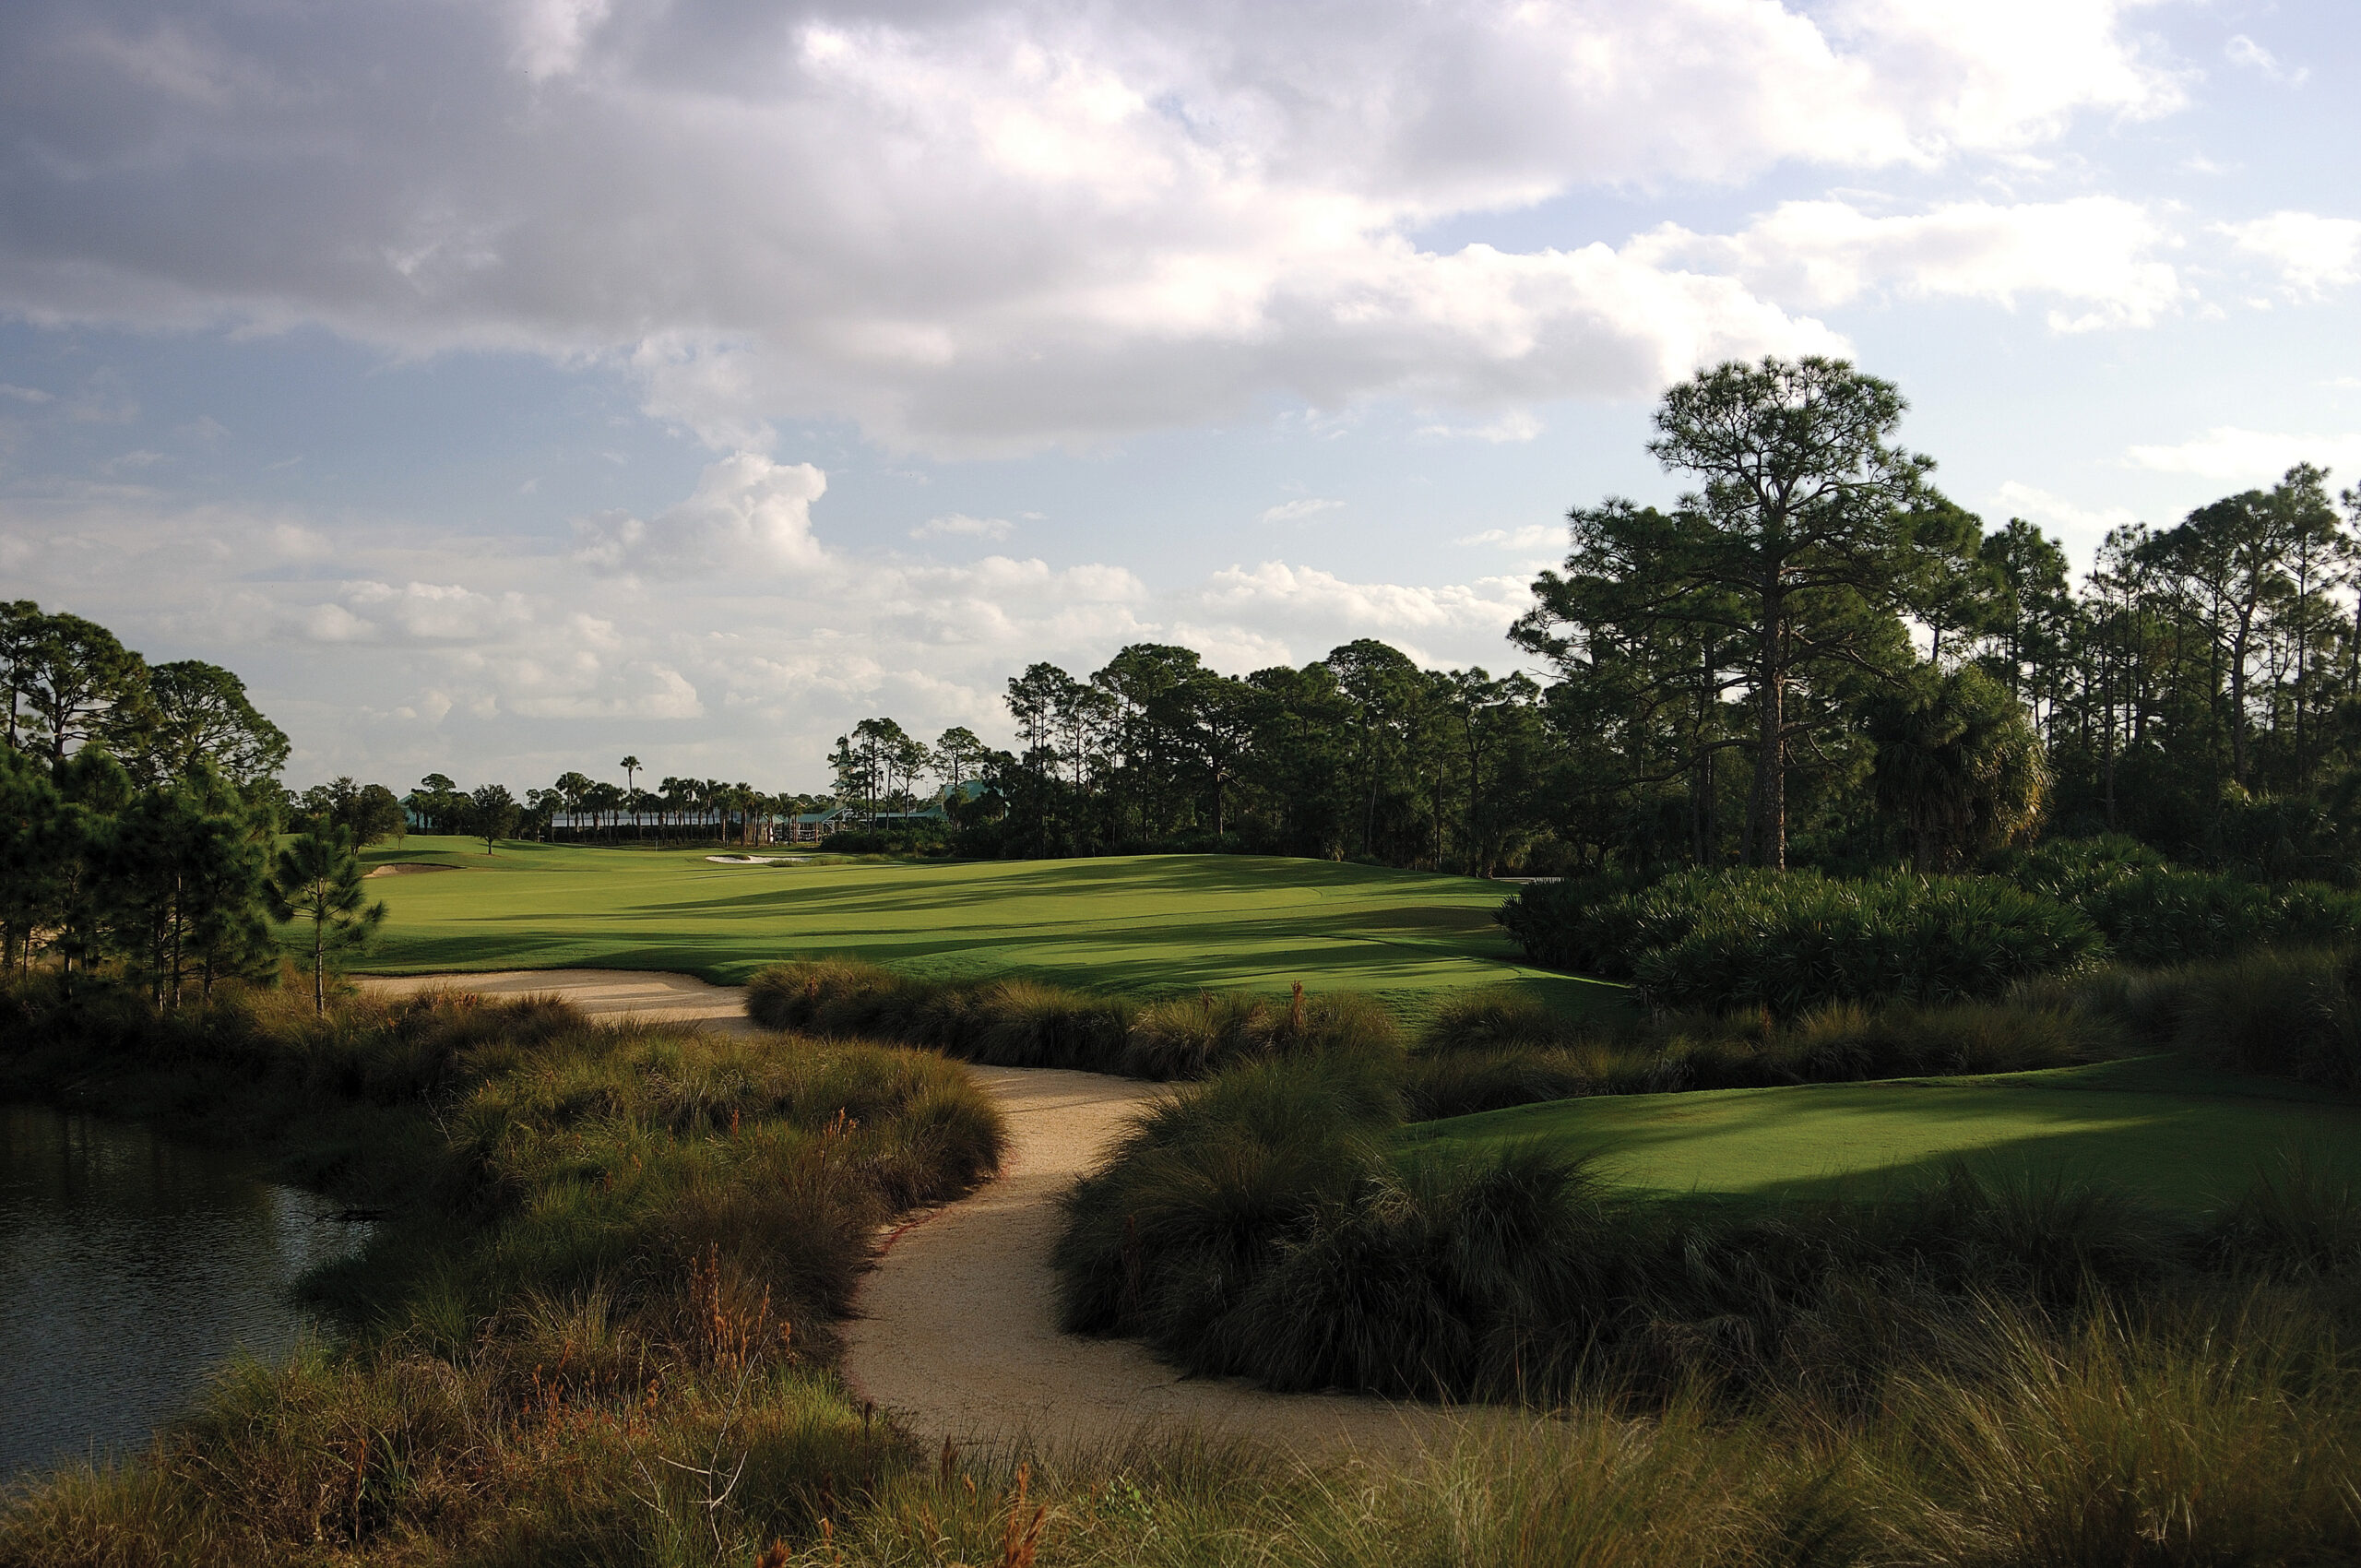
<point>2178,1134</point>
<point>1141,923</point>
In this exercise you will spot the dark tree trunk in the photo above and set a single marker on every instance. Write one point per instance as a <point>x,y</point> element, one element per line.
<point>1771,745</point>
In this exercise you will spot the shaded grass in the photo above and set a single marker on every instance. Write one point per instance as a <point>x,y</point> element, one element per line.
<point>2177,1135</point>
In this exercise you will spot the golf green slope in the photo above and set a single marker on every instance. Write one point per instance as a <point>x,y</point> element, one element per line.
<point>2176,1133</point>
<point>1145,923</point>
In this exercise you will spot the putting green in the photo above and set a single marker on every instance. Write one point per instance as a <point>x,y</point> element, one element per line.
<point>2181,1136</point>
<point>1141,923</point>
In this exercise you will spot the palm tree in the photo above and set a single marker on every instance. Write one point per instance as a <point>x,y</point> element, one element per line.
<point>630,765</point>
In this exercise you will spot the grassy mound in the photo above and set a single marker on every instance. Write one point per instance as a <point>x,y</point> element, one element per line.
<point>1271,1224</point>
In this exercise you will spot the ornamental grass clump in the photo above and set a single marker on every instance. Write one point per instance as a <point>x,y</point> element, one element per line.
<point>2205,1436</point>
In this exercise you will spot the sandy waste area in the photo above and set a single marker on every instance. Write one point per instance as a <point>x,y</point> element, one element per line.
<point>955,1329</point>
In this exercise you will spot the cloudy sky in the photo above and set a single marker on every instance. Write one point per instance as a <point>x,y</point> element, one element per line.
<point>502,386</point>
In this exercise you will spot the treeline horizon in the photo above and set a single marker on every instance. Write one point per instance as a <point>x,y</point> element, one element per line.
<point>1812,657</point>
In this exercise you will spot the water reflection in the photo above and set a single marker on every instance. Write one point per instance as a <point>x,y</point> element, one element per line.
<point>132,1267</point>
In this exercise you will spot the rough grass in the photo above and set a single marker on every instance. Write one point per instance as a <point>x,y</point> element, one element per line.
<point>1490,1049</point>
<point>609,1287</point>
<point>1267,1224</point>
<point>1020,1023</point>
<point>581,1352</point>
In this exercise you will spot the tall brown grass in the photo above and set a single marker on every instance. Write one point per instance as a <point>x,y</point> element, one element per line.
<point>599,1319</point>
<point>1025,1023</point>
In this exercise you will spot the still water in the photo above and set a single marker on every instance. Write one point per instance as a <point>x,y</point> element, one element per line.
<point>131,1267</point>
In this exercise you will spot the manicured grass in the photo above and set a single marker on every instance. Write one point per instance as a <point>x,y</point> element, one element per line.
<point>2176,1133</point>
<point>1145,924</point>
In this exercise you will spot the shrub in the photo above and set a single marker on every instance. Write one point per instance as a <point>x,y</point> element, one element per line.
<point>1024,1023</point>
<point>2301,1219</point>
<point>1805,941</point>
<point>1262,1224</point>
<point>2293,1014</point>
<point>1788,942</point>
<point>1497,1019</point>
<point>2158,917</point>
<point>2155,914</point>
<point>1556,923</point>
<point>2069,869</point>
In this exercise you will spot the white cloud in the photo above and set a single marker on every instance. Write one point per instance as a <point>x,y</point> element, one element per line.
<point>1295,511</point>
<point>335,623</point>
<point>2097,254</point>
<point>1312,610</point>
<point>2313,253</point>
<point>1517,424</point>
<point>435,611</point>
<point>1534,536</point>
<point>26,393</point>
<point>2228,452</point>
<point>747,515</point>
<point>958,524</point>
<point>2244,51</point>
<point>2081,525</point>
<point>504,657</point>
<point>981,225</point>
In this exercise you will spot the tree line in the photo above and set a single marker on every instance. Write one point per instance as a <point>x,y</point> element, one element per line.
<point>1812,657</point>
<point>141,821</point>
<point>578,809</point>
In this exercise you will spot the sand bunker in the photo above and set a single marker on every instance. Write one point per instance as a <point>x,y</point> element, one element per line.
<point>756,860</point>
<point>956,1328</point>
<point>403,868</point>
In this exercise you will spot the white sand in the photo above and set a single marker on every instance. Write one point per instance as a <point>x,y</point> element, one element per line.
<point>955,1331</point>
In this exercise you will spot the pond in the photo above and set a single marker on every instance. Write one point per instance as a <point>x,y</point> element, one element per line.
<point>131,1268</point>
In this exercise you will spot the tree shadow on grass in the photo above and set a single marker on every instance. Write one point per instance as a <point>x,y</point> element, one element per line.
<point>1850,1140</point>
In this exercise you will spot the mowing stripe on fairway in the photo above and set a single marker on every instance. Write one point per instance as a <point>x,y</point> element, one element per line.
<point>1147,924</point>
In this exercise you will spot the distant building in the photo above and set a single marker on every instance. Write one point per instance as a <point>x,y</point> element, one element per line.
<point>810,827</point>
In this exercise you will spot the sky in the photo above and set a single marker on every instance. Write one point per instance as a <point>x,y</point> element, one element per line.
<point>504,387</point>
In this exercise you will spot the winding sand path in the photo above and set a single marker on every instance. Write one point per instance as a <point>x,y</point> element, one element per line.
<point>955,1331</point>
<point>602,993</point>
